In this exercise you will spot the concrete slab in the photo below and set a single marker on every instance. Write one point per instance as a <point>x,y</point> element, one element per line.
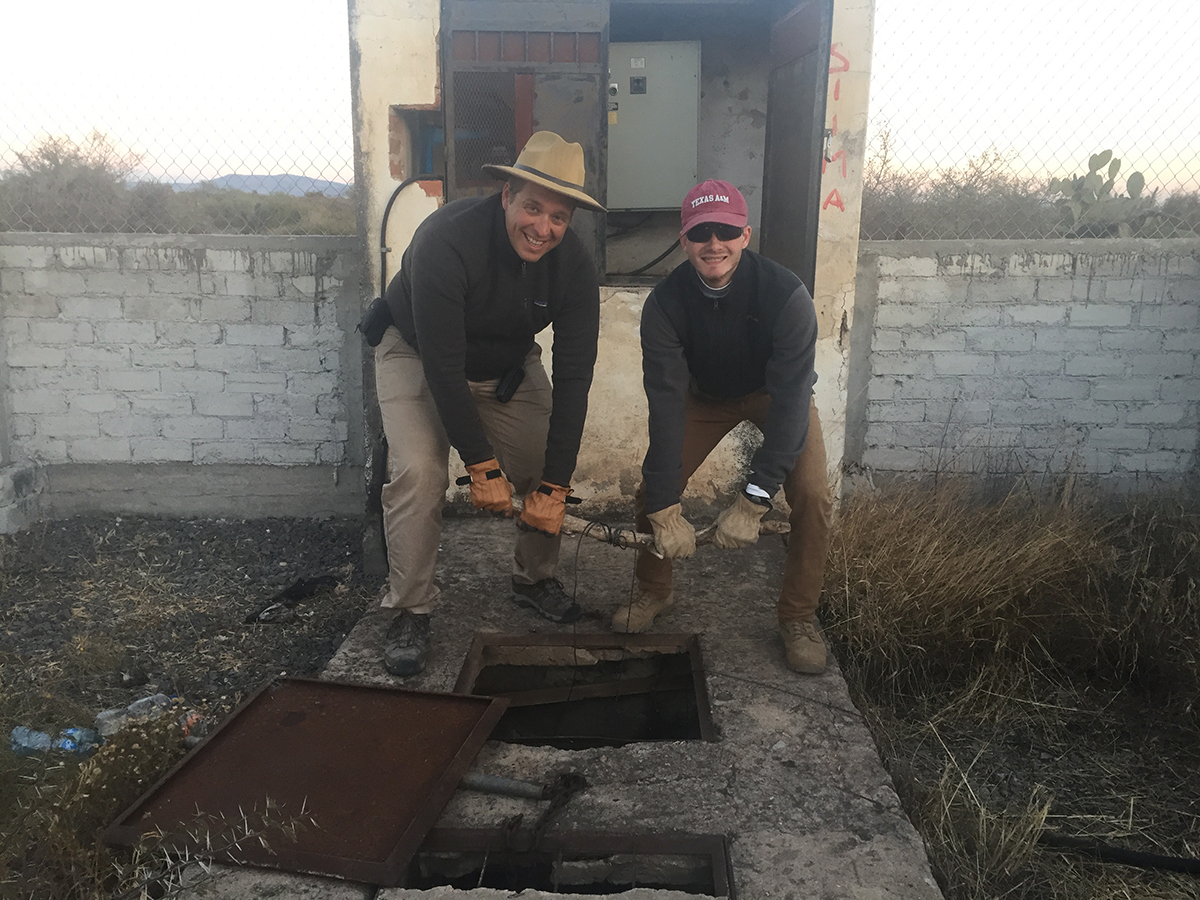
<point>233,883</point>
<point>794,779</point>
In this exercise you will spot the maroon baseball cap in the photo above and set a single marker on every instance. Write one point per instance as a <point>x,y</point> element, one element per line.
<point>713,201</point>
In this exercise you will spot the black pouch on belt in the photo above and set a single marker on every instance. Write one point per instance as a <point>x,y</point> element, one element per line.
<point>375,321</point>
<point>508,383</point>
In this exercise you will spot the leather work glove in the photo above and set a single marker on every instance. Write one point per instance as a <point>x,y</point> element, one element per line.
<point>737,526</point>
<point>674,537</point>
<point>544,509</point>
<point>490,490</point>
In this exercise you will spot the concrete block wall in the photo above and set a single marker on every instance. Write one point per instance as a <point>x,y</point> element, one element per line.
<point>140,357</point>
<point>1010,357</point>
<point>222,376</point>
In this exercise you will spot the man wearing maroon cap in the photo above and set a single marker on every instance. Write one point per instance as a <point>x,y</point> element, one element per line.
<point>729,337</point>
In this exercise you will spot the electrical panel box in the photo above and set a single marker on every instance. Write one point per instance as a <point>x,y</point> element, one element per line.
<point>653,123</point>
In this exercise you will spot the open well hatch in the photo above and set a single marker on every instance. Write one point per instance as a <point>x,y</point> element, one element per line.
<point>574,862</point>
<point>575,691</point>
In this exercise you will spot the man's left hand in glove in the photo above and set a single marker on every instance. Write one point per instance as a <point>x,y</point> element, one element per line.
<point>544,509</point>
<point>738,525</point>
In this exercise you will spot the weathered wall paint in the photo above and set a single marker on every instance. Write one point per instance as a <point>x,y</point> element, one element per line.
<point>180,375</point>
<point>394,57</point>
<point>125,356</point>
<point>841,191</point>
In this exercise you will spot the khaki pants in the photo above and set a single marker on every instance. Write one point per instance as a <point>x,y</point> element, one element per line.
<point>418,465</point>
<point>806,488</point>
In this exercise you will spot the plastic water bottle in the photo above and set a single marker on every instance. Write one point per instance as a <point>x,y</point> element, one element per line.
<point>28,742</point>
<point>111,721</point>
<point>77,740</point>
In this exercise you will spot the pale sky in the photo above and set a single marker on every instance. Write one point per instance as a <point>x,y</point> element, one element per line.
<point>247,84</point>
<point>263,86</point>
<point>1052,81</point>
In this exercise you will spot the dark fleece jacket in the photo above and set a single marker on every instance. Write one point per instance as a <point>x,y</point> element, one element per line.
<point>471,306</point>
<point>761,335</point>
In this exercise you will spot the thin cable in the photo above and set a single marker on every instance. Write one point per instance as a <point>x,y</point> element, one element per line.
<point>656,259</point>
<point>623,230</point>
<point>610,536</point>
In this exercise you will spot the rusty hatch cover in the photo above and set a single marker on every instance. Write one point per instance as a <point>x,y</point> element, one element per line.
<point>372,766</point>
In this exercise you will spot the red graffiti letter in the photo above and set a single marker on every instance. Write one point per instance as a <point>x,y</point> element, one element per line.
<point>834,199</point>
<point>841,154</point>
<point>837,89</point>
<point>834,54</point>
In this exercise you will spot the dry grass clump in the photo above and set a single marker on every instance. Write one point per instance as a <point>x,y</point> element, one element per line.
<point>1055,647</point>
<point>980,853</point>
<point>60,805</point>
<point>53,847</point>
<point>931,584</point>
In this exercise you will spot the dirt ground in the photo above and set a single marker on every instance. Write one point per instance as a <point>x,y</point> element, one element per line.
<point>101,611</point>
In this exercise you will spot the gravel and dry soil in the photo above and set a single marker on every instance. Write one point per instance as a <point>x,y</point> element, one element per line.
<point>98,612</point>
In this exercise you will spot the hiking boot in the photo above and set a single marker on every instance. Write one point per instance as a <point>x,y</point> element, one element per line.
<point>407,644</point>
<point>548,599</point>
<point>805,647</point>
<point>638,614</point>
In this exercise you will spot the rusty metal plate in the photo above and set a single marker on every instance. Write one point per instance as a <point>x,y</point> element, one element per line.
<point>372,766</point>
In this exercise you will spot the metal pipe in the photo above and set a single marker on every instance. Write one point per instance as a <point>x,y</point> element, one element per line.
<point>498,784</point>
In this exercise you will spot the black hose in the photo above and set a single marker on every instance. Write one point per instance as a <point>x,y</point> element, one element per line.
<point>1110,853</point>
<point>387,211</point>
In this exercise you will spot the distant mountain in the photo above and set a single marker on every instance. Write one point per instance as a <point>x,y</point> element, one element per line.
<point>296,185</point>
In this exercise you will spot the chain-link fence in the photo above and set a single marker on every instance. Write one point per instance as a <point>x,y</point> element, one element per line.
<point>988,120</point>
<point>1023,119</point>
<point>142,116</point>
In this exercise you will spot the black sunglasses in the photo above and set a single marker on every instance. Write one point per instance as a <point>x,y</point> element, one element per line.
<point>699,234</point>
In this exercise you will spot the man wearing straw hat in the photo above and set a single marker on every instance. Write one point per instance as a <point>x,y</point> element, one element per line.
<point>459,367</point>
<point>729,337</point>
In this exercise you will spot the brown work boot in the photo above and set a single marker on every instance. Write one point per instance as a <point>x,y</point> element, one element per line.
<point>805,647</point>
<point>638,614</point>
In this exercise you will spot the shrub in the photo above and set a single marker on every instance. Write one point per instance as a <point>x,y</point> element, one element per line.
<point>992,196</point>
<point>60,186</point>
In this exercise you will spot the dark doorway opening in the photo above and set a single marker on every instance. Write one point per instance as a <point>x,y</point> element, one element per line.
<point>574,692</point>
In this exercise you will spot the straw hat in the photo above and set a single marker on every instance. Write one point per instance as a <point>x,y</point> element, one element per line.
<point>551,162</point>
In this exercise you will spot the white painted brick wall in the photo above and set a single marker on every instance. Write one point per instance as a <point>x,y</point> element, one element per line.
<point>1082,355</point>
<point>997,355</point>
<point>138,349</point>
